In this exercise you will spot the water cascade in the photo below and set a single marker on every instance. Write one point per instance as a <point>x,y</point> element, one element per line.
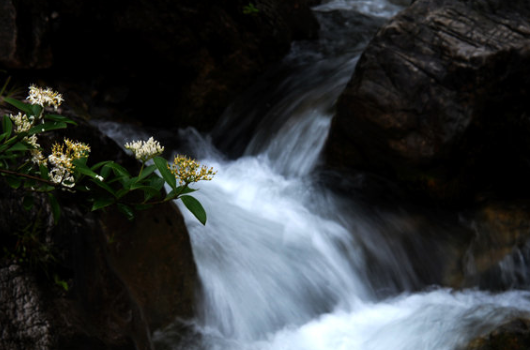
<point>287,263</point>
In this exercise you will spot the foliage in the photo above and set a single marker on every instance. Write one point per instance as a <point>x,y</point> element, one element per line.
<point>23,164</point>
<point>250,9</point>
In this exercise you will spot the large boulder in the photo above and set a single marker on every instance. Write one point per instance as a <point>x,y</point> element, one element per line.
<point>125,279</point>
<point>440,100</point>
<point>163,62</point>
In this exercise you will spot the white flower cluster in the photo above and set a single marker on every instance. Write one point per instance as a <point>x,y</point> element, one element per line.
<point>62,157</point>
<point>22,123</point>
<point>145,150</point>
<point>44,97</point>
<point>61,175</point>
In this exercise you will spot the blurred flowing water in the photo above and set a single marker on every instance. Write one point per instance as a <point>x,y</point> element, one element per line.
<point>285,261</point>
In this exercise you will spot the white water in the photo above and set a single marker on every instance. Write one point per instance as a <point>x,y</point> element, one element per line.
<point>286,264</point>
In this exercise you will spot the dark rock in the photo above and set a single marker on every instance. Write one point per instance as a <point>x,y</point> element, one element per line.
<point>162,62</point>
<point>496,257</point>
<point>153,256</point>
<point>514,335</point>
<point>24,34</point>
<point>440,100</point>
<point>126,279</point>
<point>25,324</point>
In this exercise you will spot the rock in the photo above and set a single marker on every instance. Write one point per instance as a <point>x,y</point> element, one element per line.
<point>153,256</point>
<point>513,335</point>
<point>25,324</point>
<point>439,100</point>
<point>119,292</point>
<point>496,256</point>
<point>24,34</point>
<point>162,62</point>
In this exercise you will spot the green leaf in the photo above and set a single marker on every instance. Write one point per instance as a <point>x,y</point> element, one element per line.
<point>105,172</point>
<point>185,189</point>
<point>118,169</point>
<point>102,203</point>
<point>146,172</point>
<point>80,166</point>
<point>127,183</point>
<point>60,282</point>
<point>24,107</point>
<point>99,165</point>
<point>104,186</point>
<point>122,192</point>
<point>36,110</point>
<point>59,118</point>
<point>162,166</point>
<point>126,210</point>
<point>48,126</point>
<point>14,181</point>
<point>28,202</point>
<point>149,192</point>
<point>195,207</point>
<point>56,209</point>
<point>19,146</point>
<point>179,191</point>
<point>7,126</point>
<point>157,183</point>
<point>44,172</point>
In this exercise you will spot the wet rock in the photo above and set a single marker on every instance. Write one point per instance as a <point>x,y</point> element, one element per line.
<point>514,335</point>
<point>497,255</point>
<point>439,100</point>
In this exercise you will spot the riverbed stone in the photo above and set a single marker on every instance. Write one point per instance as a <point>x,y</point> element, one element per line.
<point>439,100</point>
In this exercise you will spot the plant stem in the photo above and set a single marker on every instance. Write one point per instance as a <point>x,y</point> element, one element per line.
<point>142,168</point>
<point>28,177</point>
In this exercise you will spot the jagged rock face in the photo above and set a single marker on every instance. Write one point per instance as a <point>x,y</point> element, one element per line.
<point>440,98</point>
<point>25,324</point>
<point>163,62</point>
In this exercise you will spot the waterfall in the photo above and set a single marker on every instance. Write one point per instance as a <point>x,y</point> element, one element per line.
<point>287,262</point>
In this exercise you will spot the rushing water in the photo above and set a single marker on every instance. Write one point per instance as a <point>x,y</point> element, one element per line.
<point>285,262</point>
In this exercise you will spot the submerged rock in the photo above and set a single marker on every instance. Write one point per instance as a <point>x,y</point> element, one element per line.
<point>496,256</point>
<point>514,335</point>
<point>439,100</point>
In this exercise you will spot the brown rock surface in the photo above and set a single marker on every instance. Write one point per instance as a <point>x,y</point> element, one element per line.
<point>439,99</point>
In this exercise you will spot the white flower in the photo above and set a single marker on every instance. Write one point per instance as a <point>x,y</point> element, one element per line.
<point>44,97</point>
<point>145,150</point>
<point>62,176</point>
<point>31,140</point>
<point>100,178</point>
<point>22,123</point>
<point>37,157</point>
